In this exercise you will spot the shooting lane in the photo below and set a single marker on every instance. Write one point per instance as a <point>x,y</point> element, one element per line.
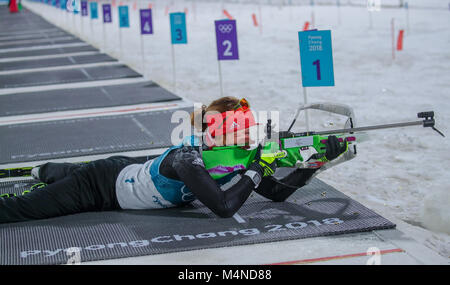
<point>55,106</point>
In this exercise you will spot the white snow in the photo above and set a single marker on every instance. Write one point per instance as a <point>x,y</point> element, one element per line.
<point>403,174</point>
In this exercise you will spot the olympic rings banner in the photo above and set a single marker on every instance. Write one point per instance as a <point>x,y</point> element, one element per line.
<point>84,8</point>
<point>226,38</point>
<point>106,13</point>
<point>146,21</point>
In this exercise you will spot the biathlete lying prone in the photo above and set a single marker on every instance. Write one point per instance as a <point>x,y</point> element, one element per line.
<point>175,178</point>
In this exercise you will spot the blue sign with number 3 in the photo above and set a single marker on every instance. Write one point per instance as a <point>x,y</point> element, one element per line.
<point>178,28</point>
<point>316,58</point>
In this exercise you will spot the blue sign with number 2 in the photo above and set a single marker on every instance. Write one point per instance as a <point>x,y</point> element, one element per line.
<point>178,28</point>
<point>316,58</point>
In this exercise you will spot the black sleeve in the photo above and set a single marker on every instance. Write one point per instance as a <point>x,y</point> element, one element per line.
<point>190,169</point>
<point>279,193</point>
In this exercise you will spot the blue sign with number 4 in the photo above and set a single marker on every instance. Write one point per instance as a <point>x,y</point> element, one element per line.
<point>316,58</point>
<point>178,28</point>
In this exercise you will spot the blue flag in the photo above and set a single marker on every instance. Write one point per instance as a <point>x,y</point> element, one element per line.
<point>316,58</point>
<point>178,28</point>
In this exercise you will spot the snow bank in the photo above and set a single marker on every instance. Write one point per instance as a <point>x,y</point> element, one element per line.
<point>435,212</point>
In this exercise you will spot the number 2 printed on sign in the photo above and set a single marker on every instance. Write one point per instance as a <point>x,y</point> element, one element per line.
<point>227,51</point>
<point>226,40</point>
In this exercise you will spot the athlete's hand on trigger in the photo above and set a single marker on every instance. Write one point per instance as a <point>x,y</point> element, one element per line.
<point>334,147</point>
<point>266,163</point>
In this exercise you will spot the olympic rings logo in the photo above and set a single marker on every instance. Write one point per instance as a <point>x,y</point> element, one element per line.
<point>225,28</point>
<point>186,194</point>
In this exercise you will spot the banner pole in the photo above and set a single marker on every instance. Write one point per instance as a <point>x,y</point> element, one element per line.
<point>305,100</point>
<point>220,79</point>
<point>82,22</point>
<point>260,17</point>
<point>407,18</point>
<point>120,43</point>
<point>104,34</point>
<point>173,69</point>
<point>92,27</point>
<point>339,12</point>
<point>73,24</point>
<point>393,38</point>
<point>143,55</point>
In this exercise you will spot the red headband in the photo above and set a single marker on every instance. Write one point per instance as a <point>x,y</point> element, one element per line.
<point>229,122</point>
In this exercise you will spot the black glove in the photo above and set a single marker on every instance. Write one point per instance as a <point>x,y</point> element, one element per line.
<point>334,147</point>
<point>264,166</point>
<point>188,154</point>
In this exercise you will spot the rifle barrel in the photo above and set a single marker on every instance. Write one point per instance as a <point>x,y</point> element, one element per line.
<point>368,128</point>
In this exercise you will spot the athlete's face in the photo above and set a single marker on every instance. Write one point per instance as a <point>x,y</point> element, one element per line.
<point>241,137</point>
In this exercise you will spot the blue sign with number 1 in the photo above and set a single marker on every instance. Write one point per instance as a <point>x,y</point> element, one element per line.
<point>178,28</point>
<point>316,58</point>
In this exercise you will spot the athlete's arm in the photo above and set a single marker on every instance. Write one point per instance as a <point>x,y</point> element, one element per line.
<point>190,169</point>
<point>279,193</point>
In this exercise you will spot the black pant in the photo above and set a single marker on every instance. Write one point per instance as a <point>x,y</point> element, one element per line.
<point>71,189</point>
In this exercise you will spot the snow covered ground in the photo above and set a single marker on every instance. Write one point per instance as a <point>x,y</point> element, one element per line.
<point>400,173</point>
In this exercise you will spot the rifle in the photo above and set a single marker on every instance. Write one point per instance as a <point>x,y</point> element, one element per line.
<point>307,149</point>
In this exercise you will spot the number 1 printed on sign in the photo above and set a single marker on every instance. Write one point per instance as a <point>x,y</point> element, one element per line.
<point>317,64</point>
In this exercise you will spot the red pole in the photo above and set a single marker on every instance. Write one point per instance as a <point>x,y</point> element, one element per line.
<point>227,14</point>
<point>255,21</point>
<point>400,40</point>
<point>306,26</point>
